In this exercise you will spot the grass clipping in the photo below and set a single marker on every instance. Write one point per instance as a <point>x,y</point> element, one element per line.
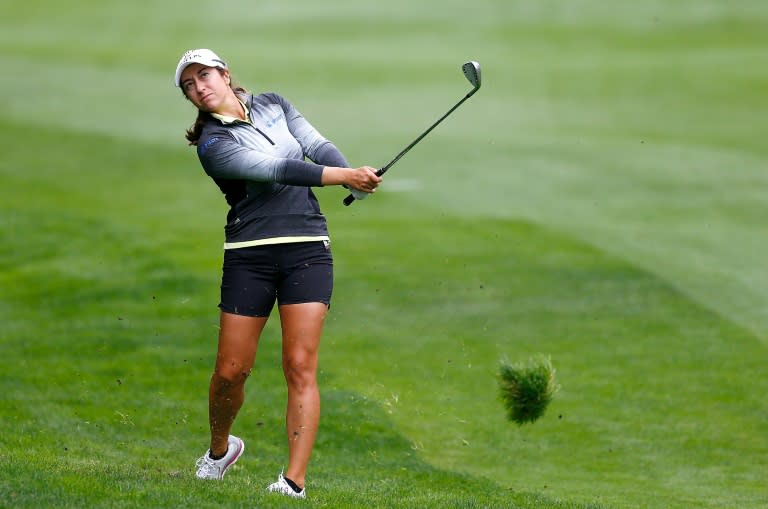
<point>526,388</point>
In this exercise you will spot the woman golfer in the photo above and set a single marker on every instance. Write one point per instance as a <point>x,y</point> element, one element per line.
<point>276,250</point>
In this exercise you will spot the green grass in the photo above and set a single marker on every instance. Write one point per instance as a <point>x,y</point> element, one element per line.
<point>600,201</point>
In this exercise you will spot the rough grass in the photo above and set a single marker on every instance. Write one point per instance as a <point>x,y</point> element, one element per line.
<point>526,388</point>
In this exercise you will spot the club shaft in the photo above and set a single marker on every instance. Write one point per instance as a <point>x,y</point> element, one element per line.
<point>387,166</point>
<point>381,171</point>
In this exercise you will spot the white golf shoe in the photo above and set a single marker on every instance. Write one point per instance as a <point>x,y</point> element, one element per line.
<point>209,468</point>
<point>282,487</point>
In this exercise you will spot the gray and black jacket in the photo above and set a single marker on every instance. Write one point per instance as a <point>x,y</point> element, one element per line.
<point>260,167</point>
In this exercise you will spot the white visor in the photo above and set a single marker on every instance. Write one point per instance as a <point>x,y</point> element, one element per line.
<point>202,56</point>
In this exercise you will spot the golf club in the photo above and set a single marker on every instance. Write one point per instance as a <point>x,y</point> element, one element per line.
<point>472,72</point>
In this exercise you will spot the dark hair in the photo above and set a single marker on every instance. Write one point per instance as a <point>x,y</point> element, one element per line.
<point>193,133</point>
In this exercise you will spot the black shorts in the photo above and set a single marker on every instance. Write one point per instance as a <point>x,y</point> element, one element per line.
<point>253,278</point>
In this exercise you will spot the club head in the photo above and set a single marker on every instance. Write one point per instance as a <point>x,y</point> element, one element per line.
<point>472,72</point>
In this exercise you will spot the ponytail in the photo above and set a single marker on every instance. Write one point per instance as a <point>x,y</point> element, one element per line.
<point>194,132</point>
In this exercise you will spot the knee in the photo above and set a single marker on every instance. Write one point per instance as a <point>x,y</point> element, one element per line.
<point>300,371</point>
<point>231,374</point>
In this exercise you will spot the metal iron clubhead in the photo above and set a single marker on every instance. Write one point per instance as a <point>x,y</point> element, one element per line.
<point>472,72</point>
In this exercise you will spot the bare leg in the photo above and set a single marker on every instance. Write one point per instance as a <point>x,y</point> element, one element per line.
<point>302,326</point>
<point>238,339</point>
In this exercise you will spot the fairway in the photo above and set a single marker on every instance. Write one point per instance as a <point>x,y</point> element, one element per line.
<point>601,200</point>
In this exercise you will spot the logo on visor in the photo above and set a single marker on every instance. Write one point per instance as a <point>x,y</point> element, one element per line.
<point>190,55</point>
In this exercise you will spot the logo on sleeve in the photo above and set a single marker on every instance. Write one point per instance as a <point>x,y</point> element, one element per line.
<point>202,149</point>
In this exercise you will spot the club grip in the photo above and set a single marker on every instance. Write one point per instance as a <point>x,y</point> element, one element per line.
<point>381,171</point>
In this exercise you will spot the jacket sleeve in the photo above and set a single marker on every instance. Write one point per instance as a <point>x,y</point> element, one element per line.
<point>328,155</point>
<point>222,157</point>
